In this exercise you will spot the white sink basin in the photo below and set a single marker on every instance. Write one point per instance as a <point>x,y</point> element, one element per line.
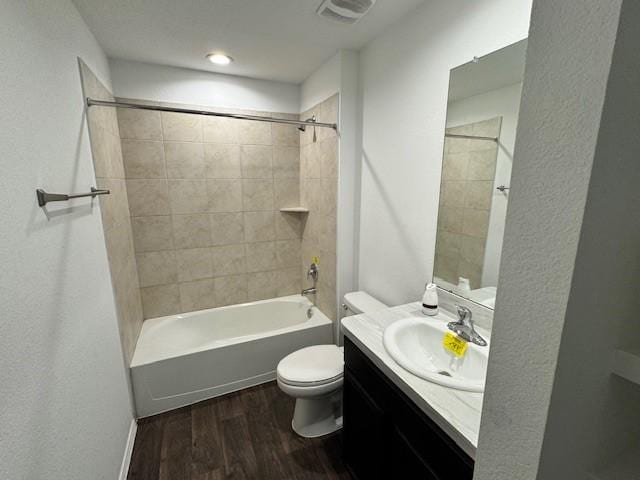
<point>416,345</point>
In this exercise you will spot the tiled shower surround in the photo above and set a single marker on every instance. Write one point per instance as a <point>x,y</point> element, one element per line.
<point>204,196</point>
<point>466,192</point>
<point>110,174</point>
<point>318,192</point>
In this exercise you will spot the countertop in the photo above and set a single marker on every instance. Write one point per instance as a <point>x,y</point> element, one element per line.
<point>455,411</point>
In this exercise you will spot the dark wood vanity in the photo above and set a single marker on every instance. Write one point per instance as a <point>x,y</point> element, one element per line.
<point>386,436</point>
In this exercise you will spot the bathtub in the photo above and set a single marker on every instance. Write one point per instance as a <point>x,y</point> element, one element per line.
<point>186,358</point>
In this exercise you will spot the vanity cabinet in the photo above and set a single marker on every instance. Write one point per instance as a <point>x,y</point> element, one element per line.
<point>386,436</point>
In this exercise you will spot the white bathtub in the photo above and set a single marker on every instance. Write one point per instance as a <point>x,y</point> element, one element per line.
<point>186,358</point>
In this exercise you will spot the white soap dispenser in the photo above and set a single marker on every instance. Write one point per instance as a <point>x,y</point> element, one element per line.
<point>430,300</point>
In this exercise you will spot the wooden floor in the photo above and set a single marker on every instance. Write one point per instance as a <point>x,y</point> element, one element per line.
<point>245,435</point>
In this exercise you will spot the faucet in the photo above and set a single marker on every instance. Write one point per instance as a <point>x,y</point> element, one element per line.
<point>311,274</point>
<point>464,327</point>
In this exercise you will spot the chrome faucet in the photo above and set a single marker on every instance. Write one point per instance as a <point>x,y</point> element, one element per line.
<point>464,327</point>
<point>311,274</point>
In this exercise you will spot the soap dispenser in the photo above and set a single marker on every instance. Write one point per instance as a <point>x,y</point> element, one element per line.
<point>430,300</point>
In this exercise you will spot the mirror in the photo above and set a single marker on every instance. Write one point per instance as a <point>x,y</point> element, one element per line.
<point>482,115</point>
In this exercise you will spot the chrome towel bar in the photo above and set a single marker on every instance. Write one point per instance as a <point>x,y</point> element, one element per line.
<point>44,197</point>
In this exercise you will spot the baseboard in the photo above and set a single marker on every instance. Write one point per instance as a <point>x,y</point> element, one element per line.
<point>126,460</point>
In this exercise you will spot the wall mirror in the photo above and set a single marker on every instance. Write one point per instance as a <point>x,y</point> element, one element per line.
<point>482,115</point>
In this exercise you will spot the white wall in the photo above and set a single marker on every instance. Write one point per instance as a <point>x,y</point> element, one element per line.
<point>180,85</point>
<point>568,292</point>
<point>321,84</point>
<point>503,102</point>
<point>64,405</point>
<point>404,77</point>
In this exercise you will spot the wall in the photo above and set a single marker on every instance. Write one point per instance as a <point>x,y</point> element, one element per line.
<point>503,102</point>
<point>64,404</point>
<point>404,83</point>
<point>179,85</point>
<point>321,84</point>
<point>204,195</point>
<point>318,192</point>
<point>569,294</point>
<point>466,193</point>
<point>116,222</point>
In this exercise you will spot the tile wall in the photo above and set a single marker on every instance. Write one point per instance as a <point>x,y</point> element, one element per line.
<point>318,192</point>
<point>466,192</point>
<point>110,174</point>
<point>204,197</point>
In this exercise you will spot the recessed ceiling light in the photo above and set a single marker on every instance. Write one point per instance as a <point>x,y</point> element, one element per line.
<point>219,58</point>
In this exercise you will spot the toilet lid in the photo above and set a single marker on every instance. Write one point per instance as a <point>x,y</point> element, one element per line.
<point>319,363</point>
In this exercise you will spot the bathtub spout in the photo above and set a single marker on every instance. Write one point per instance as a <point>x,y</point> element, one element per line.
<point>308,291</point>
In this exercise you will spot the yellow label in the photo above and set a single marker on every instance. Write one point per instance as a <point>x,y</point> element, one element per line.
<point>315,260</point>
<point>454,344</point>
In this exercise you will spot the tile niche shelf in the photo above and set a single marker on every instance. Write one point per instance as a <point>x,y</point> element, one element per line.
<point>295,210</point>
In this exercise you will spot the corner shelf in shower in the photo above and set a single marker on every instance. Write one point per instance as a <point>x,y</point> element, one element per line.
<point>295,210</point>
<point>626,364</point>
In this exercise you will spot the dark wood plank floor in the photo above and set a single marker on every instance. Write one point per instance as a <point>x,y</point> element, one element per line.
<point>242,436</point>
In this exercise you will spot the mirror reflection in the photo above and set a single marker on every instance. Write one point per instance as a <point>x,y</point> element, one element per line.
<point>482,115</point>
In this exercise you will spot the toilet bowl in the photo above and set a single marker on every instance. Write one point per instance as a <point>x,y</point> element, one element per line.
<point>314,377</point>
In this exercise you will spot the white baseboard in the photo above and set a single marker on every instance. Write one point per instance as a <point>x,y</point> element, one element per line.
<point>126,460</point>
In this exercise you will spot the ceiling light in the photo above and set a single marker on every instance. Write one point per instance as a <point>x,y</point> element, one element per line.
<point>219,58</point>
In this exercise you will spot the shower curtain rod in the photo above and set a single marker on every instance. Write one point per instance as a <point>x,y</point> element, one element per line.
<point>470,137</point>
<point>103,103</point>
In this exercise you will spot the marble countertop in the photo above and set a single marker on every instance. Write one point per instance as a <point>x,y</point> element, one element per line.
<point>456,412</point>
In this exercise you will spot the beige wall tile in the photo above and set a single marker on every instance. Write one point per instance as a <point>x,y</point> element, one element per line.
<point>326,301</point>
<point>288,281</point>
<point>288,253</point>
<point>181,127</point>
<point>148,197</point>
<point>194,264</point>
<point>257,195</point>
<point>139,124</point>
<point>156,268</point>
<point>289,225</point>
<point>259,226</point>
<point>185,160</point>
<point>220,130</point>
<point>231,290</point>
<point>454,166</point>
<point>452,193</point>
<point>475,223</point>
<point>450,219</point>
<point>143,159</point>
<point>262,285</point>
<point>197,295</point>
<point>228,260</point>
<point>328,196</point>
<point>470,271</point>
<point>222,161</point>
<point>482,164</point>
<point>256,161</point>
<point>472,250</point>
<point>448,244</point>
<point>487,128</point>
<point>225,195</point>
<point>479,194</point>
<point>192,230</point>
<point>152,233</point>
<point>188,196</point>
<point>286,162</point>
<point>227,228</point>
<point>261,256</point>
<point>287,192</point>
<point>160,300</point>
<point>446,268</point>
<point>328,158</point>
<point>254,133</point>
<point>285,134</point>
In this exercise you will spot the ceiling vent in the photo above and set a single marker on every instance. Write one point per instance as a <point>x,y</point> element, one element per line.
<point>346,11</point>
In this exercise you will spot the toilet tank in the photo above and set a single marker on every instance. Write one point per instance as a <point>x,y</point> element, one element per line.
<point>355,303</point>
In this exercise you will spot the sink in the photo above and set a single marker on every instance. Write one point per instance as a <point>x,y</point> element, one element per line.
<point>416,344</point>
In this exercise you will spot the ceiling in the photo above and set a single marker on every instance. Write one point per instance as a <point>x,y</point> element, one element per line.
<point>496,70</point>
<point>282,40</point>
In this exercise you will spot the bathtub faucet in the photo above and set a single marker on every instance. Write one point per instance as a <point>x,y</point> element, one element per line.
<point>308,291</point>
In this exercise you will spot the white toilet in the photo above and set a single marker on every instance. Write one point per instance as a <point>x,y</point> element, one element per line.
<point>314,376</point>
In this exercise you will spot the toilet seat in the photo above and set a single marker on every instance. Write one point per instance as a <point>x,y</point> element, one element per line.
<point>315,366</point>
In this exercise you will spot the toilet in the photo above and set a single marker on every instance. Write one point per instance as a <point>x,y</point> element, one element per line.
<point>314,376</point>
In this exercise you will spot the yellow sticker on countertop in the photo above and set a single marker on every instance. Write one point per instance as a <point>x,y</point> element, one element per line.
<point>315,260</point>
<point>454,344</point>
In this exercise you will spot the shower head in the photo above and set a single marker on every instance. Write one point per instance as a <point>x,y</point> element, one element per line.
<point>303,128</point>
